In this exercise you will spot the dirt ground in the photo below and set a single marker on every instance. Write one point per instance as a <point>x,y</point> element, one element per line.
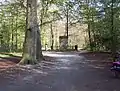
<point>97,58</point>
<point>100,58</point>
<point>61,71</point>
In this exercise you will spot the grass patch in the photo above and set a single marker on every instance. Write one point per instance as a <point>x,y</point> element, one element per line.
<point>5,54</point>
<point>17,54</point>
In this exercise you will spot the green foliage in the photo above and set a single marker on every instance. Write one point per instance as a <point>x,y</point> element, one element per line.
<point>105,29</point>
<point>12,26</point>
<point>97,14</point>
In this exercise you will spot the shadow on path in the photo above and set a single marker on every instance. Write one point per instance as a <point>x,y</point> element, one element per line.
<point>62,71</point>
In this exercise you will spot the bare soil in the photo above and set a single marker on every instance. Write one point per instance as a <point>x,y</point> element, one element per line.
<point>60,71</point>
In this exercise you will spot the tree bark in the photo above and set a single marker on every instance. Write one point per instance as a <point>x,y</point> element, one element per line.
<point>89,26</point>
<point>16,31</point>
<point>113,32</point>
<point>39,55</point>
<point>12,48</point>
<point>52,36</point>
<point>32,52</point>
<point>67,22</point>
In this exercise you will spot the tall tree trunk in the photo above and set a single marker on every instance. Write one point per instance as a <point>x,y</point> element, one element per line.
<point>52,36</point>
<point>89,35</point>
<point>12,36</point>
<point>2,42</point>
<point>113,32</point>
<point>16,32</point>
<point>42,16</point>
<point>39,55</point>
<point>67,24</point>
<point>32,44</point>
<point>67,21</point>
<point>94,34</point>
<point>89,26</point>
<point>8,40</point>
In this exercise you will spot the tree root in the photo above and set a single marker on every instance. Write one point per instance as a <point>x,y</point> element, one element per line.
<point>28,60</point>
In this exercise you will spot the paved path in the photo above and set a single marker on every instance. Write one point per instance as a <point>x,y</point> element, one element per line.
<point>66,72</point>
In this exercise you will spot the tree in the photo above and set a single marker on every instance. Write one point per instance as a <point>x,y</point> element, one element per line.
<point>32,44</point>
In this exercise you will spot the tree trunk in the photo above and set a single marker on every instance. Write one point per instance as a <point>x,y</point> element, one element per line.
<point>67,24</point>
<point>12,37</point>
<point>89,35</point>
<point>16,32</point>
<point>52,36</point>
<point>32,45</point>
<point>113,33</point>
<point>39,55</point>
<point>67,21</point>
<point>89,26</point>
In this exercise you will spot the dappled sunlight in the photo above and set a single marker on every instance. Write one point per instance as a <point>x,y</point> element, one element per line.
<point>46,67</point>
<point>33,69</point>
<point>64,60</point>
<point>97,66</point>
<point>66,68</point>
<point>49,62</point>
<point>28,77</point>
<point>38,71</point>
<point>60,55</point>
<point>90,60</point>
<point>59,45</point>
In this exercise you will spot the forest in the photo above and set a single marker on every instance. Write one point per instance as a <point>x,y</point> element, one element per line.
<point>96,20</point>
<point>59,45</point>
